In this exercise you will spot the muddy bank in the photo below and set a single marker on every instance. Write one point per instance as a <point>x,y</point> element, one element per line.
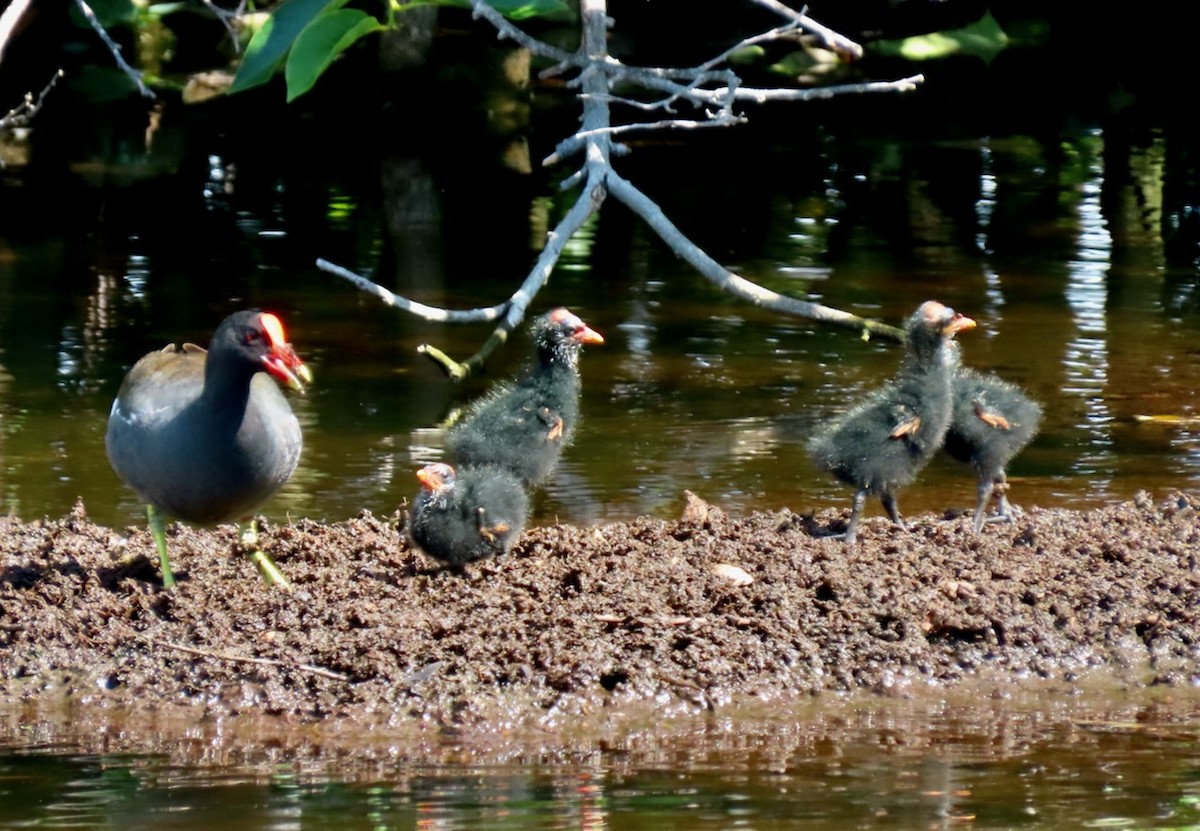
<point>651,616</point>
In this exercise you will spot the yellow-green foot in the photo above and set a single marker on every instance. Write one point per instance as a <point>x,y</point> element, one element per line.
<point>270,572</point>
<point>158,530</point>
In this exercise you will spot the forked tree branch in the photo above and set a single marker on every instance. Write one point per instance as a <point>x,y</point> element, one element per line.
<point>24,112</point>
<point>711,91</point>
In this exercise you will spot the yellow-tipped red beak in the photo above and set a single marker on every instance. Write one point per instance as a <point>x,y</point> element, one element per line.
<point>285,364</point>
<point>282,361</point>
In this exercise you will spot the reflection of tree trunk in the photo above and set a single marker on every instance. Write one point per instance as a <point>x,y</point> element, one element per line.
<point>413,215</point>
<point>407,44</point>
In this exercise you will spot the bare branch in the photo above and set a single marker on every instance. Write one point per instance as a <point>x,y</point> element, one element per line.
<point>710,89</point>
<point>114,48</point>
<point>841,44</point>
<point>431,313</point>
<point>510,313</point>
<point>817,93</point>
<point>506,30</point>
<point>21,115</point>
<point>229,19</point>
<point>732,283</point>
<point>569,147</point>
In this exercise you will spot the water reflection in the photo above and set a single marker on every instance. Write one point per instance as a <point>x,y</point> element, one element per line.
<point>1053,244</point>
<point>1086,357</point>
<point>1030,762</point>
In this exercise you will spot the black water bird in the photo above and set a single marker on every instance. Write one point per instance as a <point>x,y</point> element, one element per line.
<point>882,443</point>
<point>524,425</point>
<point>469,514</point>
<point>206,436</point>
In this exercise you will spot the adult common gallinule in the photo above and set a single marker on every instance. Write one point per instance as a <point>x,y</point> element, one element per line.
<point>206,436</point>
<point>883,442</point>
<point>524,425</point>
<point>992,421</point>
<point>469,514</point>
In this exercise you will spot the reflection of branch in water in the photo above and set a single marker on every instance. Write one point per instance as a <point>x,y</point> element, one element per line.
<point>711,91</point>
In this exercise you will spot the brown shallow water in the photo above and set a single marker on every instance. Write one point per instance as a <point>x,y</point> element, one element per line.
<point>584,625</point>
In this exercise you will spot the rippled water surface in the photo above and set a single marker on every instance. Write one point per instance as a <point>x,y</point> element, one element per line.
<point>693,389</point>
<point>1041,762</point>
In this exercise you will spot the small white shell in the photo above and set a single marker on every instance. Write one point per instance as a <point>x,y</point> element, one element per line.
<point>736,575</point>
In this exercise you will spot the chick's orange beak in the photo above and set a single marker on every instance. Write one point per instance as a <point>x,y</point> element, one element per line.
<point>588,335</point>
<point>959,323</point>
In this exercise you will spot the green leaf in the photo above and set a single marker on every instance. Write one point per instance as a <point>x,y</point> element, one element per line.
<point>322,41</point>
<point>512,9</point>
<point>984,39</point>
<point>269,47</point>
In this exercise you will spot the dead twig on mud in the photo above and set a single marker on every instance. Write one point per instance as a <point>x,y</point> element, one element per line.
<point>710,90</point>
<point>242,659</point>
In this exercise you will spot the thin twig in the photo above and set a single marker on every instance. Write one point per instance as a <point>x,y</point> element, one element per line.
<point>241,659</point>
<point>114,48</point>
<point>732,283</point>
<point>839,43</point>
<point>228,19</point>
<point>21,115</point>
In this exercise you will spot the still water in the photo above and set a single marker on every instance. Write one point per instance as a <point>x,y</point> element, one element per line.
<point>1038,761</point>
<point>1056,239</point>
<point>1076,302</point>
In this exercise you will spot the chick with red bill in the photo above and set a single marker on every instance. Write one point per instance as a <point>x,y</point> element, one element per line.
<point>882,443</point>
<point>525,424</point>
<point>472,513</point>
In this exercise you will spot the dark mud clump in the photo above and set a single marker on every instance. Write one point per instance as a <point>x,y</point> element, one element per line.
<point>696,613</point>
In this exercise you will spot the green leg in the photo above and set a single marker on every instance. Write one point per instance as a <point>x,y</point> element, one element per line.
<point>158,530</point>
<point>271,574</point>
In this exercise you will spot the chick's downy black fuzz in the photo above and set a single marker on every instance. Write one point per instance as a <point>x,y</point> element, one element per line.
<point>882,443</point>
<point>469,514</point>
<point>524,425</point>
<point>992,421</point>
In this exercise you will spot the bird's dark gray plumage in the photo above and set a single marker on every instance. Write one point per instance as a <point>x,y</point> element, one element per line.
<point>204,435</point>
